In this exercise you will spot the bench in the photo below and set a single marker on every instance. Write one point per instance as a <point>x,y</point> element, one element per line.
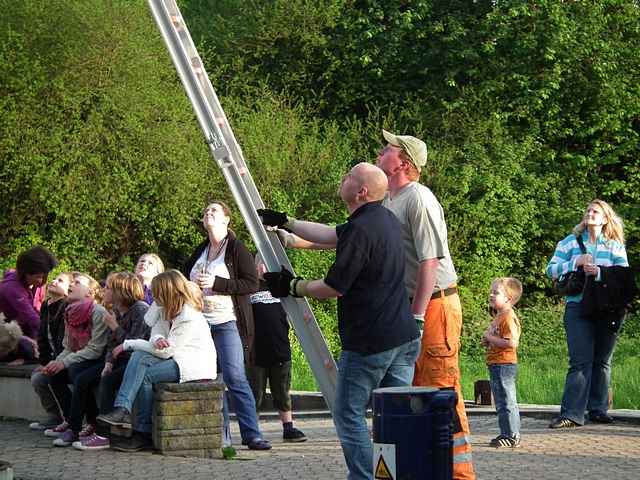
<point>17,398</point>
<point>187,417</point>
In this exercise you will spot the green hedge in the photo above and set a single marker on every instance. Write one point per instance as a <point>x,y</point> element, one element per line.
<point>529,110</point>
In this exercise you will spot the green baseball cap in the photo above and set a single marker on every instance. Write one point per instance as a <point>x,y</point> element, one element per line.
<point>414,147</point>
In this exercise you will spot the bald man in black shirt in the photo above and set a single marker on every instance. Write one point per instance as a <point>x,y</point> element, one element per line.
<point>380,339</point>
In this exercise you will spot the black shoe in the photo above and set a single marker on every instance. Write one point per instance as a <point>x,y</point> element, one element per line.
<point>118,417</point>
<point>259,444</point>
<point>600,417</point>
<point>137,442</point>
<point>562,422</point>
<point>293,435</point>
<point>502,441</point>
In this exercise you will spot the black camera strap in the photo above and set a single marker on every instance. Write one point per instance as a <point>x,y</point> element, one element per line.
<point>583,249</point>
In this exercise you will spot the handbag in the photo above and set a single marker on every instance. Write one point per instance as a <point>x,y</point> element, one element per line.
<point>572,283</point>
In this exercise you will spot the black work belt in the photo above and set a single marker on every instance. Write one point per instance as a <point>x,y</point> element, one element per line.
<point>444,293</point>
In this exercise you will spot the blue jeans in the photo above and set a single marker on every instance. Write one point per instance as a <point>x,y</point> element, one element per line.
<point>231,362</point>
<point>358,376</point>
<point>590,344</point>
<point>503,386</point>
<point>143,370</point>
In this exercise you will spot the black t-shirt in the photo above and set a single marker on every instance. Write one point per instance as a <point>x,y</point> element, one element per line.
<point>272,329</point>
<point>373,311</point>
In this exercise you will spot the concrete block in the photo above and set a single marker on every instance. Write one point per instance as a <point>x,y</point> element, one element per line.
<point>165,396</point>
<point>18,400</point>
<point>186,432</point>
<point>187,407</point>
<point>191,387</point>
<point>176,422</point>
<point>199,442</point>
<point>187,419</point>
<point>199,453</point>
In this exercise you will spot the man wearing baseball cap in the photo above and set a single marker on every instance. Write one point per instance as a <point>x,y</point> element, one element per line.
<point>430,280</point>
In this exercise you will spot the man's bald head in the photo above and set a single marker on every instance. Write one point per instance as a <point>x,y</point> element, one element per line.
<point>373,178</point>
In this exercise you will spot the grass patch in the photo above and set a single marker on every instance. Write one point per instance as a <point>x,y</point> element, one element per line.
<point>302,378</point>
<point>542,372</point>
<point>540,377</point>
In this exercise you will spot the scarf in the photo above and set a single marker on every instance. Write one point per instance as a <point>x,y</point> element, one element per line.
<point>77,318</point>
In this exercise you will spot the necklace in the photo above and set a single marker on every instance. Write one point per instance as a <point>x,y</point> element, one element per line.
<point>209,258</point>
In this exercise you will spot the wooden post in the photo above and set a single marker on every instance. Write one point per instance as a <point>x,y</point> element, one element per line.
<point>482,392</point>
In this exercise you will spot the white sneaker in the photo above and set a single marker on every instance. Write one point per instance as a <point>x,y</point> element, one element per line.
<point>92,442</point>
<point>49,422</point>
<point>66,439</point>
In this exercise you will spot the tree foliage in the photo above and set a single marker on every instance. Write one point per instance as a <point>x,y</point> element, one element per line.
<point>529,109</point>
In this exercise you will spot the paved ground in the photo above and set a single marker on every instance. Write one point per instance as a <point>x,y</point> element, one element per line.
<point>591,452</point>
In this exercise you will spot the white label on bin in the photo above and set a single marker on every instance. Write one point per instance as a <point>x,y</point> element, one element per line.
<point>384,461</point>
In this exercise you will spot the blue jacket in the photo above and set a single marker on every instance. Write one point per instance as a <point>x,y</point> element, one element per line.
<point>609,253</point>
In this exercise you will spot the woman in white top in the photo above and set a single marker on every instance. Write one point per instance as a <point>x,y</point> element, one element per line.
<point>224,269</point>
<point>180,349</point>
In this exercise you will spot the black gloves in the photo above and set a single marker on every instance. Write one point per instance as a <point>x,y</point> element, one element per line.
<point>281,284</point>
<point>271,218</point>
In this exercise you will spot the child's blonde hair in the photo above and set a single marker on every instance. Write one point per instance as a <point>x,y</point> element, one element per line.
<point>171,290</point>
<point>156,259</point>
<point>198,296</point>
<point>94,286</point>
<point>126,288</point>
<point>512,287</point>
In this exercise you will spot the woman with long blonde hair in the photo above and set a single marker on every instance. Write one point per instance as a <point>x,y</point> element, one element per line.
<point>180,349</point>
<point>597,242</point>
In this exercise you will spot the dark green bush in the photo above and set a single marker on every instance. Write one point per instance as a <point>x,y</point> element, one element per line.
<point>530,109</point>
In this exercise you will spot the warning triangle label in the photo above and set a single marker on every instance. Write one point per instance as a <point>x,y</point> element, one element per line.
<point>382,471</point>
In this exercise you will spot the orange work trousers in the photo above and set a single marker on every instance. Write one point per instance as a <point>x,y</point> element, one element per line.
<point>438,366</point>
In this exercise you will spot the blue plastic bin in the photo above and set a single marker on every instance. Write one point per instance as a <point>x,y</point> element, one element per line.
<point>417,421</point>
